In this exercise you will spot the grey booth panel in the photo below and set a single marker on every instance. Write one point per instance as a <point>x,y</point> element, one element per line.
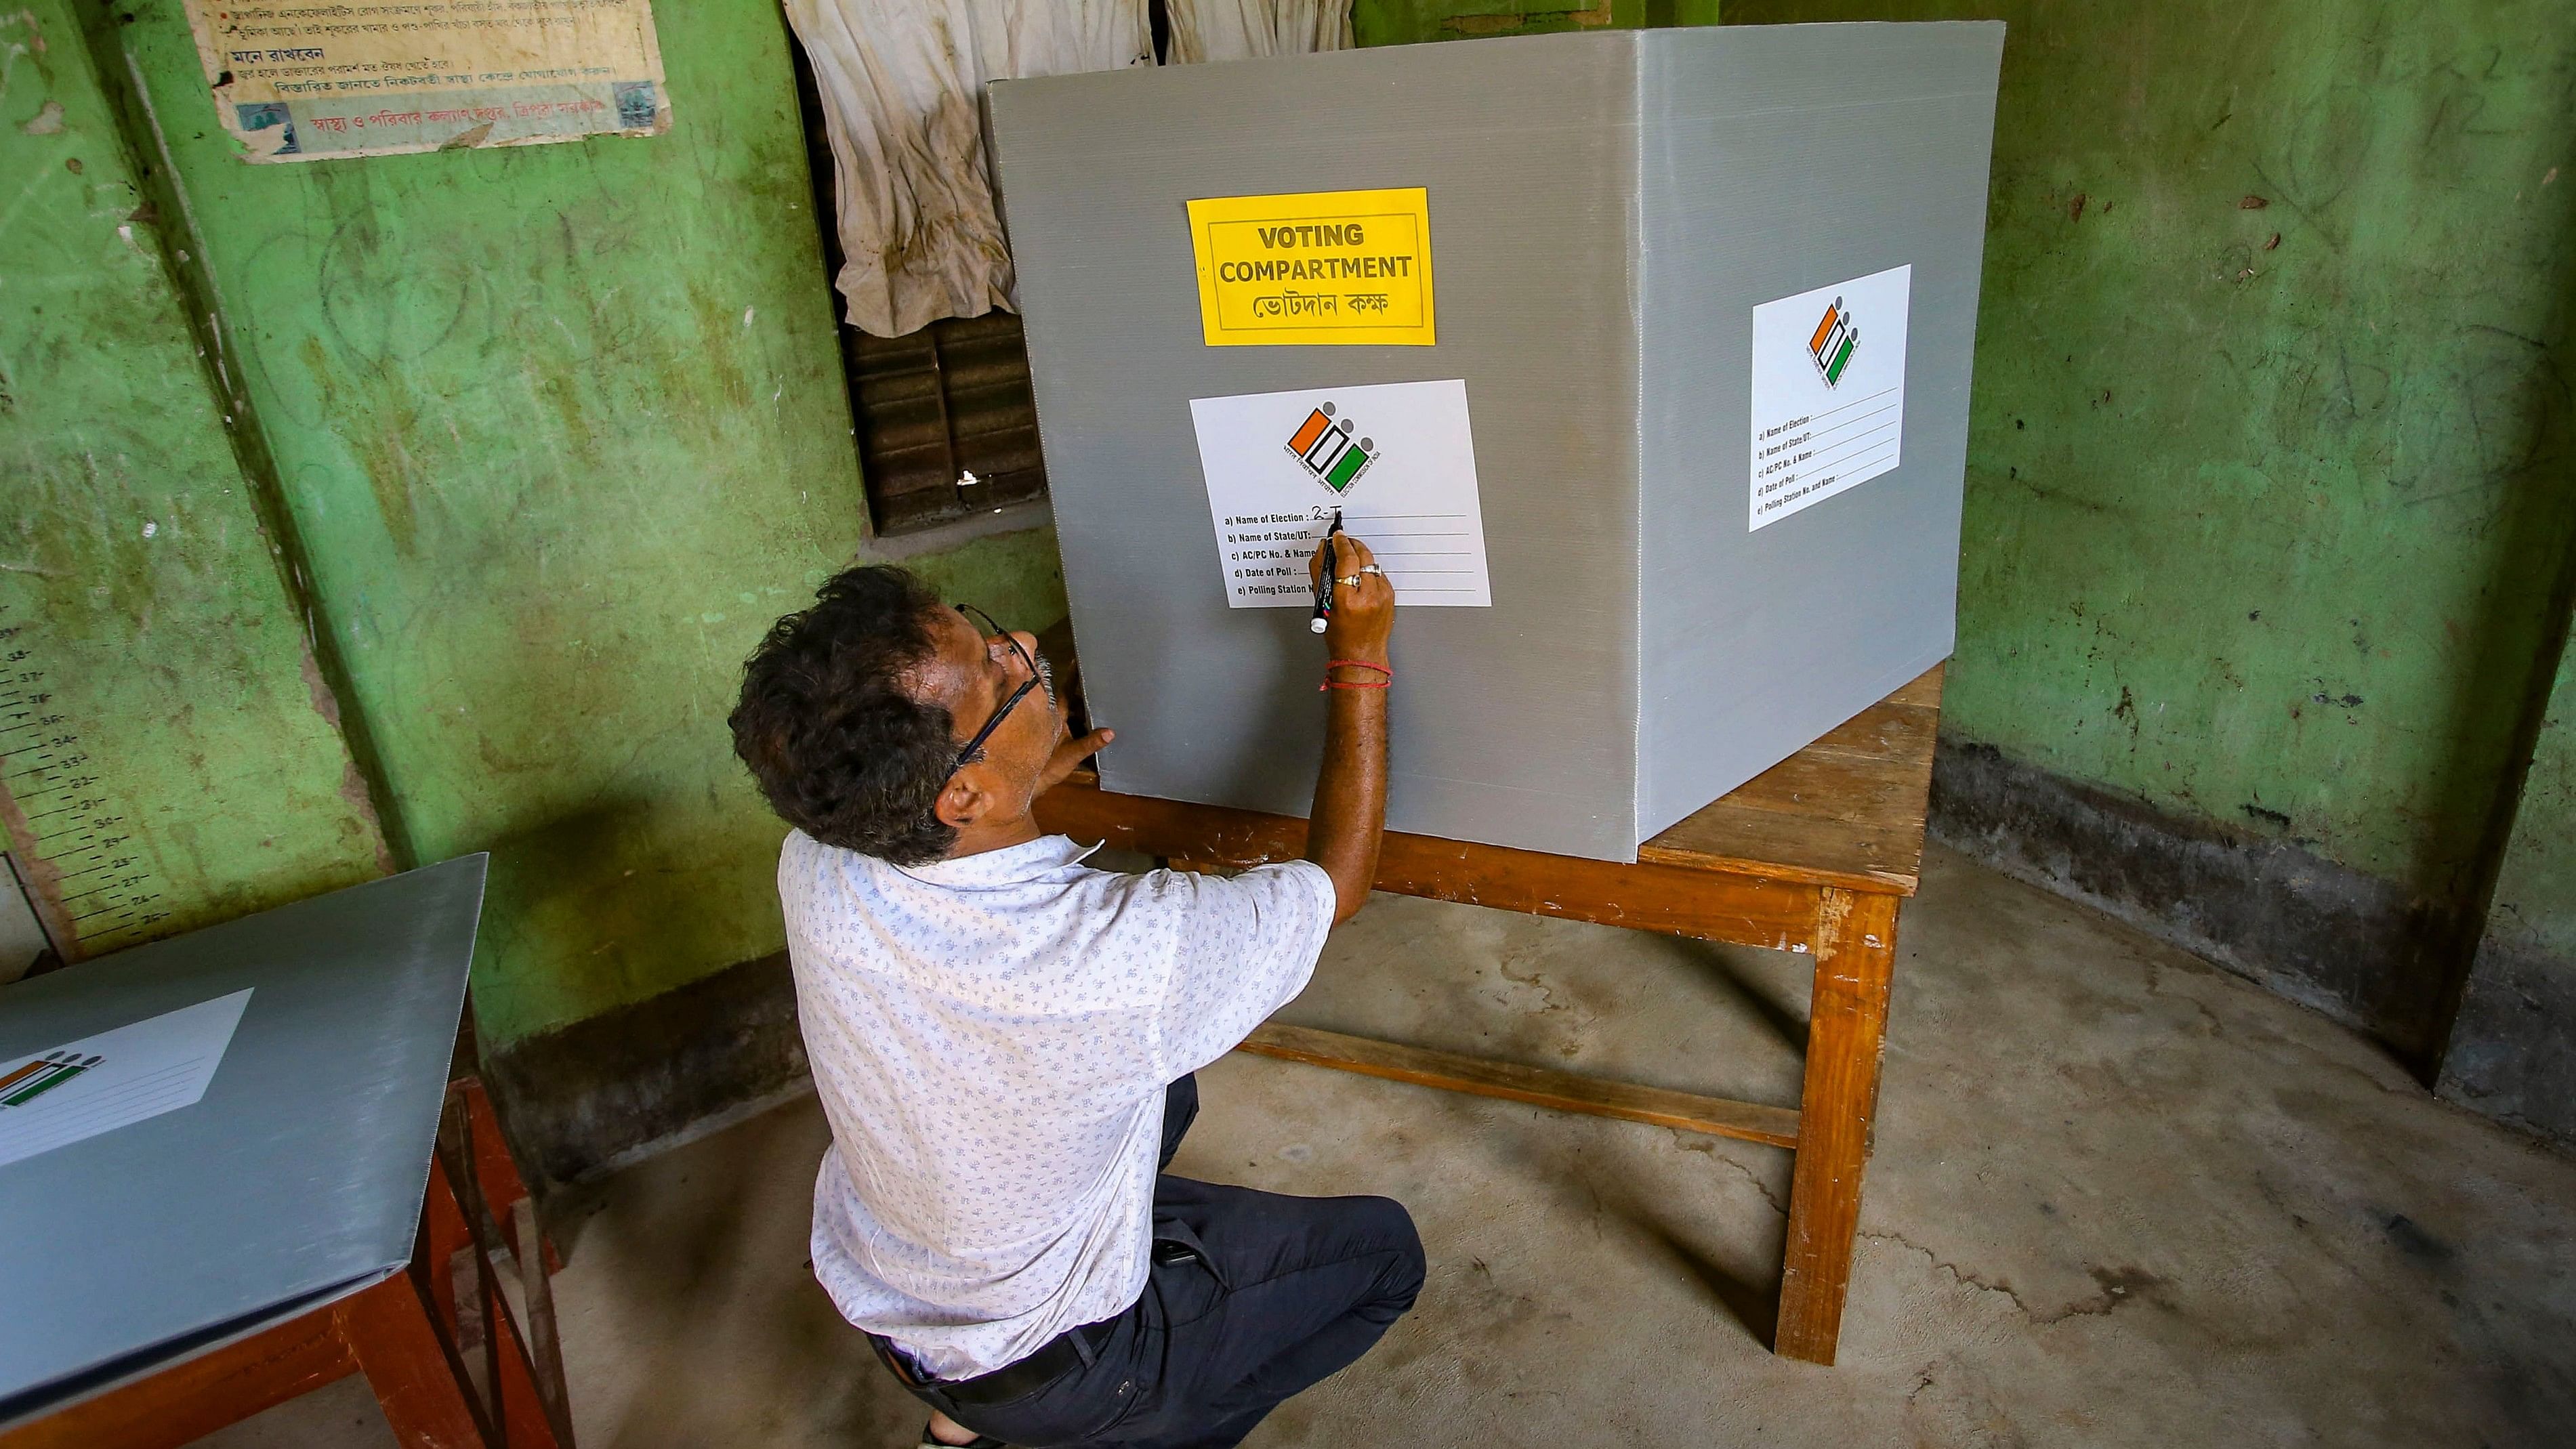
<point>1512,724</point>
<point>1780,159</point>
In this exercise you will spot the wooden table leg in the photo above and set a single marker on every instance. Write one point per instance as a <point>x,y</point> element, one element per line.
<point>419,1378</point>
<point>515,1400</point>
<point>542,1339</point>
<point>1855,947</point>
<point>496,1173</point>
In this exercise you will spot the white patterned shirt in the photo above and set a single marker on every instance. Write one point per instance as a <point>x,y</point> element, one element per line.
<point>991,1037</point>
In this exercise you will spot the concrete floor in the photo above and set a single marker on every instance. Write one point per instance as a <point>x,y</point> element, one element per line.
<point>2119,1198</point>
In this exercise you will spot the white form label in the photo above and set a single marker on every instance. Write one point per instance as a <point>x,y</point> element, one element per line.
<point>1828,391</point>
<point>1395,458</point>
<point>57,1097</point>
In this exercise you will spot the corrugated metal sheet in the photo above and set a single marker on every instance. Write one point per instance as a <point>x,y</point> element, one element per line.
<point>950,400</point>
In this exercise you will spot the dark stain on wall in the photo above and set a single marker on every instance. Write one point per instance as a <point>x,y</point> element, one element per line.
<point>2351,945</point>
<point>582,1100</point>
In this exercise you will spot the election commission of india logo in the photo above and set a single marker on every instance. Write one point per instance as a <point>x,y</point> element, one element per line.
<point>1832,344</point>
<point>1323,443</point>
<point>34,1079</point>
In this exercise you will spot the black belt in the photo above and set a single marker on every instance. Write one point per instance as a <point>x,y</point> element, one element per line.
<point>1018,1379</point>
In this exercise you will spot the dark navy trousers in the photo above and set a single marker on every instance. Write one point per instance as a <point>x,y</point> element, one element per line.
<point>1252,1297</point>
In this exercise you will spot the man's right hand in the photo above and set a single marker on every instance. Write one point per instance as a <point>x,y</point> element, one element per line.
<point>1349,817</point>
<point>1363,612</point>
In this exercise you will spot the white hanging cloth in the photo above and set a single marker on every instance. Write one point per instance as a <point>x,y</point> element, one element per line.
<point>902,84</point>
<point>1205,30</point>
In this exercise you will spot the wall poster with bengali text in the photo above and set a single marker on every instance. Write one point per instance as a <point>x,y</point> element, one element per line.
<point>310,81</point>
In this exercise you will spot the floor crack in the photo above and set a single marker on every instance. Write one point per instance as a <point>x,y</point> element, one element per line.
<point>1957,1273</point>
<point>1695,1142</point>
<point>2119,1286</point>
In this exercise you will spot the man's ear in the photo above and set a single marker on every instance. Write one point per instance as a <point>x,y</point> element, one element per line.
<point>966,798</point>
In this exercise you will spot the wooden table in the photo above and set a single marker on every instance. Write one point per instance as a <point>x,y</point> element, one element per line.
<point>403,1333</point>
<point>1813,856</point>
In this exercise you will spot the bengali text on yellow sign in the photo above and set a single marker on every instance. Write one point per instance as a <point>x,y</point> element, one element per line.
<point>1320,268</point>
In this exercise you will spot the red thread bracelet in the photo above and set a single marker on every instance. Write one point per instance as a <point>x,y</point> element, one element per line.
<point>1331,683</point>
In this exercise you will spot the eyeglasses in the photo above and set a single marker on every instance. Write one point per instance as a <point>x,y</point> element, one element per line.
<point>1003,713</point>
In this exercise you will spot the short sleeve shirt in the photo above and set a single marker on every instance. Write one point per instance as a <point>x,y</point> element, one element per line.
<point>991,1037</point>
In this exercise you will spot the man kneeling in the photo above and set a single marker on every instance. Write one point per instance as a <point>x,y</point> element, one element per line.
<point>1003,1038</point>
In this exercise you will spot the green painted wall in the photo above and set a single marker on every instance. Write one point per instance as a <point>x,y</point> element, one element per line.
<point>2270,443</point>
<point>555,470</point>
<point>559,430</point>
<point>169,743</point>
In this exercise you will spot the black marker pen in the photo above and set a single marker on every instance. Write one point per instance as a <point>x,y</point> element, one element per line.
<point>1324,585</point>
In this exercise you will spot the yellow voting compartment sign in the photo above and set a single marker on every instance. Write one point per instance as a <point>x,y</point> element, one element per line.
<point>1316,269</point>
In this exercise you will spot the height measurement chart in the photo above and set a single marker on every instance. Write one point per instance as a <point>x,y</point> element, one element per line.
<point>88,879</point>
<point>1828,391</point>
<point>1396,458</point>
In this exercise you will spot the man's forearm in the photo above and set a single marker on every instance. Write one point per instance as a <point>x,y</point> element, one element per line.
<point>1349,816</point>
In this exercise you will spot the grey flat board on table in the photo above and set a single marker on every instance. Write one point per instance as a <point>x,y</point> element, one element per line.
<point>296,1179</point>
<point>1606,211</point>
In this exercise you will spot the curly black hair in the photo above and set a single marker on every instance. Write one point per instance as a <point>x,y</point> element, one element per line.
<point>840,748</point>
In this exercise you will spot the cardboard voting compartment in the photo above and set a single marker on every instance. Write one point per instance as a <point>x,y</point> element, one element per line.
<point>1642,358</point>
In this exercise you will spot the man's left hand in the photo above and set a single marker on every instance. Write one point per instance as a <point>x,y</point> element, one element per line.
<point>1069,754</point>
